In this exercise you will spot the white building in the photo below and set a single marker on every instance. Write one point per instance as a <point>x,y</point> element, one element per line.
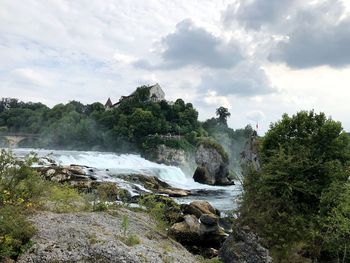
<point>156,94</point>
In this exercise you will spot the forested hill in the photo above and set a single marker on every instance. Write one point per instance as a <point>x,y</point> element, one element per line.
<point>135,125</point>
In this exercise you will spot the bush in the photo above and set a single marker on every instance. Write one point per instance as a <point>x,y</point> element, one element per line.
<point>15,232</point>
<point>64,199</point>
<point>108,192</point>
<point>163,209</point>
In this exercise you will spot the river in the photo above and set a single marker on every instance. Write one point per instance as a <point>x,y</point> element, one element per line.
<point>110,166</point>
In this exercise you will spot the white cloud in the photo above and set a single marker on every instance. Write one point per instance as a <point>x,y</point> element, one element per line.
<point>55,51</point>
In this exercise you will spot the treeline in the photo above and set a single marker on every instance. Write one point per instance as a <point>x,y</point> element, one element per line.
<point>135,125</point>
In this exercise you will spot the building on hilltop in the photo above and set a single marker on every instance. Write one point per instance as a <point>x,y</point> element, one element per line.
<point>108,104</point>
<point>156,94</point>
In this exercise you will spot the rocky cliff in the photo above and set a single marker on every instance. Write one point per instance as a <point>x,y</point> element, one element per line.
<point>212,165</point>
<point>175,157</point>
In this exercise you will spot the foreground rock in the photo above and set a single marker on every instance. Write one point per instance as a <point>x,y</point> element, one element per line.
<point>199,230</point>
<point>243,246</point>
<point>212,165</point>
<point>96,237</point>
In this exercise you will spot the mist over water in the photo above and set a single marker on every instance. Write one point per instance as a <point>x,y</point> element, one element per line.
<point>110,166</point>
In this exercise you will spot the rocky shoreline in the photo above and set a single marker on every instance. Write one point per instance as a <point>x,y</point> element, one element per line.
<point>197,226</point>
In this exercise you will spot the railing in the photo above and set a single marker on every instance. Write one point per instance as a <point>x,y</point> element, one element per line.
<point>18,134</point>
<point>167,136</point>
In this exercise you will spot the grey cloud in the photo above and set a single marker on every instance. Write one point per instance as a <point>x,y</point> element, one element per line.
<point>255,14</point>
<point>313,33</point>
<point>316,37</point>
<point>245,80</point>
<point>193,45</point>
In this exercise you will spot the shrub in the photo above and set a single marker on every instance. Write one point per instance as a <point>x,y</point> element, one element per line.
<point>65,199</point>
<point>163,209</point>
<point>15,232</point>
<point>108,191</point>
<point>130,240</point>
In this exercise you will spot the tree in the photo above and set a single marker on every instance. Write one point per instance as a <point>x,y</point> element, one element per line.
<point>223,114</point>
<point>299,200</point>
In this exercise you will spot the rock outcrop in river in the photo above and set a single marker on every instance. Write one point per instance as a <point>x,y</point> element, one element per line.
<point>212,166</point>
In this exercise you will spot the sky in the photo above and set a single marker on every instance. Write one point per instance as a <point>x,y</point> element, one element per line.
<point>258,58</point>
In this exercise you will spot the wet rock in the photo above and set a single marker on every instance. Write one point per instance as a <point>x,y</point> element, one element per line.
<point>74,175</point>
<point>155,185</point>
<point>243,246</point>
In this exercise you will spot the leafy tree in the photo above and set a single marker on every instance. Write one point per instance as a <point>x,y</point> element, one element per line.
<point>299,201</point>
<point>223,114</point>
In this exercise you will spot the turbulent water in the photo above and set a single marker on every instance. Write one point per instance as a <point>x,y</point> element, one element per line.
<point>110,166</point>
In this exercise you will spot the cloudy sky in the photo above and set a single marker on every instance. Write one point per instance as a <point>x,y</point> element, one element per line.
<point>259,58</point>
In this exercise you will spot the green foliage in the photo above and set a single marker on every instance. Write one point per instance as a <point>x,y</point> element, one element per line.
<point>211,260</point>
<point>163,209</point>
<point>125,224</point>
<point>15,231</point>
<point>108,192</point>
<point>77,126</point>
<point>223,114</point>
<point>130,240</point>
<point>20,191</point>
<point>65,199</point>
<point>299,202</point>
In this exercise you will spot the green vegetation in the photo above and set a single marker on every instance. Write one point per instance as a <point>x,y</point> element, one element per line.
<point>222,114</point>
<point>130,240</point>
<point>163,209</point>
<point>136,125</point>
<point>23,191</point>
<point>125,224</point>
<point>64,199</point>
<point>300,201</point>
<point>129,127</point>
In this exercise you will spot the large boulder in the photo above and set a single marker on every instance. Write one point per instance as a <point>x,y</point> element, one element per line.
<point>243,246</point>
<point>198,208</point>
<point>187,231</point>
<point>199,230</point>
<point>212,165</point>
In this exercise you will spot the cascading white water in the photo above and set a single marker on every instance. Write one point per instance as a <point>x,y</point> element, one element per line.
<point>221,197</point>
